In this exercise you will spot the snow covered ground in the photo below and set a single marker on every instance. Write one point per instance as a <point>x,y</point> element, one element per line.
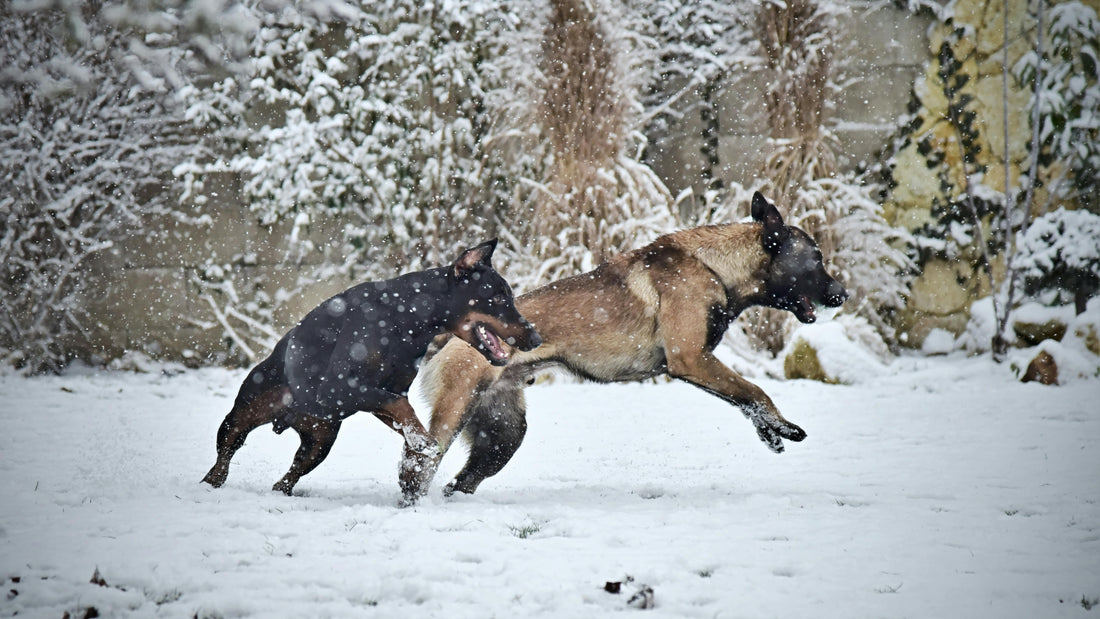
<point>944,488</point>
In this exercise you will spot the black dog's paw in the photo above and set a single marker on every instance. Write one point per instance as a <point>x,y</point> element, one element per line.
<point>460,484</point>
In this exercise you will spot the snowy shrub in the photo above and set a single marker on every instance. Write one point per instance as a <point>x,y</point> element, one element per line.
<point>374,120</point>
<point>571,120</point>
<point>371,125</point>
<point>862,251</point>
<point>150,34</point>
<point>1060,254</point>
<point>85,154</point>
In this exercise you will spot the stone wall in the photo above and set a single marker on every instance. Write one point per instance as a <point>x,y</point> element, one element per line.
<point>941,297</point>
<point>150,301</point>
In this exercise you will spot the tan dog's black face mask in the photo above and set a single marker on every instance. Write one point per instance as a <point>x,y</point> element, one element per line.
<point>796,278</point>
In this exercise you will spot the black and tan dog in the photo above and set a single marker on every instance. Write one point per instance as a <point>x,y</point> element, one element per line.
<point>661,309</point>
<point>358,351</point>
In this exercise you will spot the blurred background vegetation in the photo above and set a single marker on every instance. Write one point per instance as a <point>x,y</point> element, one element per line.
<point>183,180</point>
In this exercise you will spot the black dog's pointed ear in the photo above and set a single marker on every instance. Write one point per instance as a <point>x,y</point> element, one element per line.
<point>775,231</point>
<point>471,258</point>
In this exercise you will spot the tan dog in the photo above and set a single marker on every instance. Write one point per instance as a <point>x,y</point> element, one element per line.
<point>661,309</point>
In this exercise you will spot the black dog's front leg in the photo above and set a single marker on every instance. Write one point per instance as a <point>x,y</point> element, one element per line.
<point>422,453</point>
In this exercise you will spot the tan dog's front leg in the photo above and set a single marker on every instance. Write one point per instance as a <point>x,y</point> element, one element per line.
<point>686,299</point>
<point>704,370</point>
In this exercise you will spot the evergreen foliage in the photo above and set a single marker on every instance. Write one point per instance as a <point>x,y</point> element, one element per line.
<point>1061,257</point>
<point>1066,71</point>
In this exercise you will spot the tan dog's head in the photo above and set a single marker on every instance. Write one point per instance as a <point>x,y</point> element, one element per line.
<point>796,279</point>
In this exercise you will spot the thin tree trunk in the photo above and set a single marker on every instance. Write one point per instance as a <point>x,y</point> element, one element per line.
<point>999,344</point>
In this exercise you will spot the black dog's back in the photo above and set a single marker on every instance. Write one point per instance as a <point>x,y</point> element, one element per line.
<point>359,349</point>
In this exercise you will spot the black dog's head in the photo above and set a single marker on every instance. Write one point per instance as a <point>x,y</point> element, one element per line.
<point>796,279</point>
<point>488,318</point>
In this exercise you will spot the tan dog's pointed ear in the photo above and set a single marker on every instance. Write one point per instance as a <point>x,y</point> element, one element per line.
<point>471,258</point>
<point>775,231</point>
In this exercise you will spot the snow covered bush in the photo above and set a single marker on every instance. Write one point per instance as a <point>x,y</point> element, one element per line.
<point>368,123</point>
<point>373,119</point>
<point>1059,255</point>
<point>700,48</point>
<point>570,123</point>
<point>85,153</point>
<point>150,34</point>
<point>862,250</point>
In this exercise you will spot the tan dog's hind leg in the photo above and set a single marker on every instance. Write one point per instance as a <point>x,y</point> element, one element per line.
<point>452,394</point>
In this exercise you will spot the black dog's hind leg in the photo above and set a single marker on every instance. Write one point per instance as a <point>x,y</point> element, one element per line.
<point>317,436</point>
<point>495,430</point>
<point>263,394</point>
<point>249,412</point>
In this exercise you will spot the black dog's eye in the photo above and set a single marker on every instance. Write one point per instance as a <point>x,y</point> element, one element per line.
<point>499,300</point>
